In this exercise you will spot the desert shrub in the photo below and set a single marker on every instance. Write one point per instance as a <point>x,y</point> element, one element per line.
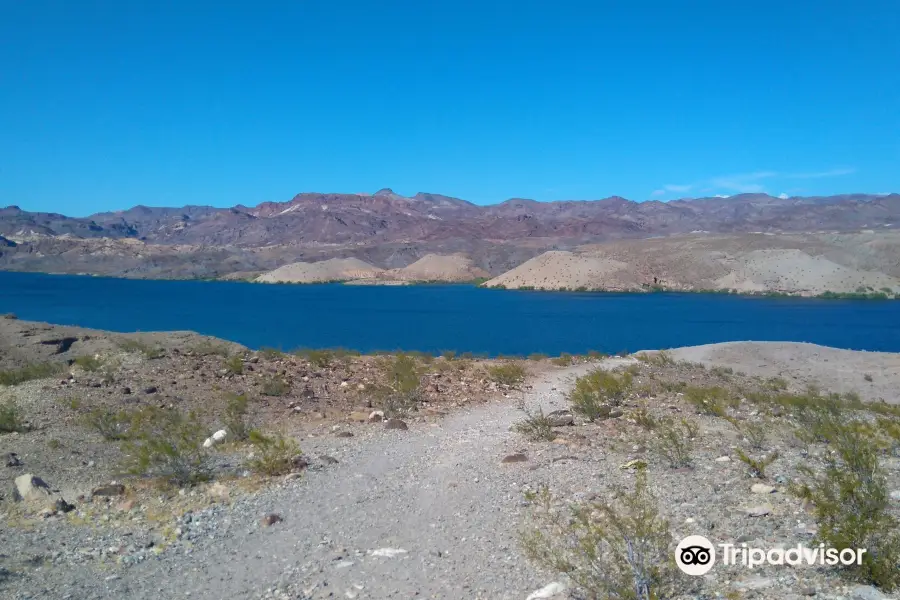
<point>271,353</point>
<point>537,356</point>
<point>89,363</point>
<point>852,507</point>
<point>166,444</point>
<point>756,467</point>
<point>448,354</point>
<point>11,419</point>
<point>776,384</point>
<point>54,444</point>
<point>136,346</point>
<point>318,358</point>
<point>211,348</point>
<point>754,432</point>
<point>644,418</point>
<point>722,372</point>
<point>507,374</point>
<point>275,386</point>
<point>234,365</point>
<point>596,354</point>
<point>596,392</point>
<point>673,441</point>
<point>235,418</point>
<point>10,316</point>
<point>713,401</point>
<point>609,550</point>
<point>563,360</point>
<point>400,393</point>
<point>112,425</point>
<point>536,426</point>
<point>29,373</point>
<point>272,455</point>
<point>659,359</point>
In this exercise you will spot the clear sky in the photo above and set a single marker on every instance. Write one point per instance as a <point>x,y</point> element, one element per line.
<point>109,104</point>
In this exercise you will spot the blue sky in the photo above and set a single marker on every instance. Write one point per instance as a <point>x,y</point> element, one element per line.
<point>105,105</point>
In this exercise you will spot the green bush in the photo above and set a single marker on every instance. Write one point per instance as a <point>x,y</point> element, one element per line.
<point>319,358</point>
<point>713,401</point>
<point>235,419</point>
<point>609,550</point>
<point>852,506</point>
<point>401,391</point>
<point>510,374</point>
<point>537,356</point>
<point>272,455</point>
<point>166,444</point>
<point>596,392</point>
<point>112,425</point>
<point>89,363</point>
<point>536,426</point>
<point>11,419</point>
<point>756,466</point>
<point>674,441</point>
<point>30,372</point>
<point>563,360</point>
<point>234,365</point>
<point>644,418</point>
<point>275,386</point>
<point>754,432</point>
<point>136,346</point>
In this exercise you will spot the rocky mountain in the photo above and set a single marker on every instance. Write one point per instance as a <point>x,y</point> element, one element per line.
<point>392,231</point>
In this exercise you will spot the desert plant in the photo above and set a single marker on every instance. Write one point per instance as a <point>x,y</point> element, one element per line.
<point>166,444</point>
<point>273,455</point>
<point>89,363</point>
<point>752,431</point>
<point>509,374</point>
<point>400,393</point>
<point>537,356</point>
<point>137,346</point>
<point>756,467</point>
<point>536,426</point>
<point>610,550</point>
<point>644,418</point>
<point>271,353</point>
<point>319,358</point>
<point>11,419</point>
<point>713,401</point>
<point>234,365</point>
<point>211,348</point>
<point>112,425</point>
<point>563,360</point>
<point>10,316</point>
<point>852,507</point>
<point>276,386</point>
<point>674,441</point>
<point>235,418</point>
<point>29,373</point>
<point>596,392</point>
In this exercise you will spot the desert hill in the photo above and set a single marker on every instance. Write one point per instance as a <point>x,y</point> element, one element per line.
<point>334,269</point>
<point>794,264</point>
<point>437,267</point>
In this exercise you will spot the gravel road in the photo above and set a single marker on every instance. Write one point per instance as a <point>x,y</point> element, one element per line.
<point>425,513</point>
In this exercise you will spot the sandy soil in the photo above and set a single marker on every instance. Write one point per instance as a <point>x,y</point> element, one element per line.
<point>808,264</point>
<point>333,269</point>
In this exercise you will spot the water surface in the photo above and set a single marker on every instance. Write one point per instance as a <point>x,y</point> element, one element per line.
<point>434,318</point>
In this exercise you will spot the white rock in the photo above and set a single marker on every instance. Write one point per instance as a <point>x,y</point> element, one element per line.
<point>895,495</point>
<point>208,442</point>
<point>31,489</point>
<point>866,592</point>
<point>388,552</point>
<point>344,384</point>
<point>548,591</point>
<point>761,488</point>
<point>219,435</point>
<point>723,459</point>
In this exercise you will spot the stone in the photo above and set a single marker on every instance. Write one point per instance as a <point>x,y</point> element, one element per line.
<point>754,583</point>
<point>300,463</point>
<point>389,552</point>
<point>723,459</point>
<point>376,416</point>
<point>866,592</point>
<point>548,591</point>
<point>561,418</point>
<point>399,424</point>
<point>219,435</point>
<point>615,413</point>
<point>126,390</point>
<point>13,460</point>
<point>113,489</point>
<point>270,519</point>
<point>344,434</point>
<point>328,460</point>
<point>358,415</point>
<point>151,389</point>
<point>29,488</point>
<point>514,458</point>
<point>761,488</point>
<point>218,491</point>
<point>62,506</point>
<point>759,511</point>
<point>895,495</point>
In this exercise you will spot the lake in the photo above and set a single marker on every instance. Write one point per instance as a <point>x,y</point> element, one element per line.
<point>433,318</point>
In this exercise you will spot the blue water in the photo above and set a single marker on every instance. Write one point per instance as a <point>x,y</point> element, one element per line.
<point>434,318</point>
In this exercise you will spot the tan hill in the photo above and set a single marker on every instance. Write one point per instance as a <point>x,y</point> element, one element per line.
<point>439,267</point>
<point>806,264</point>
<point>333,269</point>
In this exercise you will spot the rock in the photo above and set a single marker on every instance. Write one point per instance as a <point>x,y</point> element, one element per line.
<point>548,591</point>
<point>895,495</point>
<point>29,488</point>
<point>208,442</point>
<point>62,506</point>
<point>328,460</point>
<point>754,583</point>
<point>561,418</point>
<point>270,519</point>
<point>866,592</point>
<point>399,424</point>
<point>761,488</point>
<point>388,552</point>
<point>113,489</point>
<point>300,463</point>
<point>219,435</point>
<point>12,460</point>
<point>344,434</point>
<point>376,416</point>
<point>218,491</point>
<point>151,389</point>
<point>514,458</point>
<point>615,413</point>
<point>126,390</point>
<point>723,459</point>
<point>758,511</point>
<point>344,384</point>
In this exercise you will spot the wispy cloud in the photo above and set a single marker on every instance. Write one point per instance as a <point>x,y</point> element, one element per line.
<point>747,183</point>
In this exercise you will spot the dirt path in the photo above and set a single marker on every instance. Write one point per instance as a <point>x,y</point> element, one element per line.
<point>439,493</point>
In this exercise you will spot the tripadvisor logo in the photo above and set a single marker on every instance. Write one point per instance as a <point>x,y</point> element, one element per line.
<point>696,555</point>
